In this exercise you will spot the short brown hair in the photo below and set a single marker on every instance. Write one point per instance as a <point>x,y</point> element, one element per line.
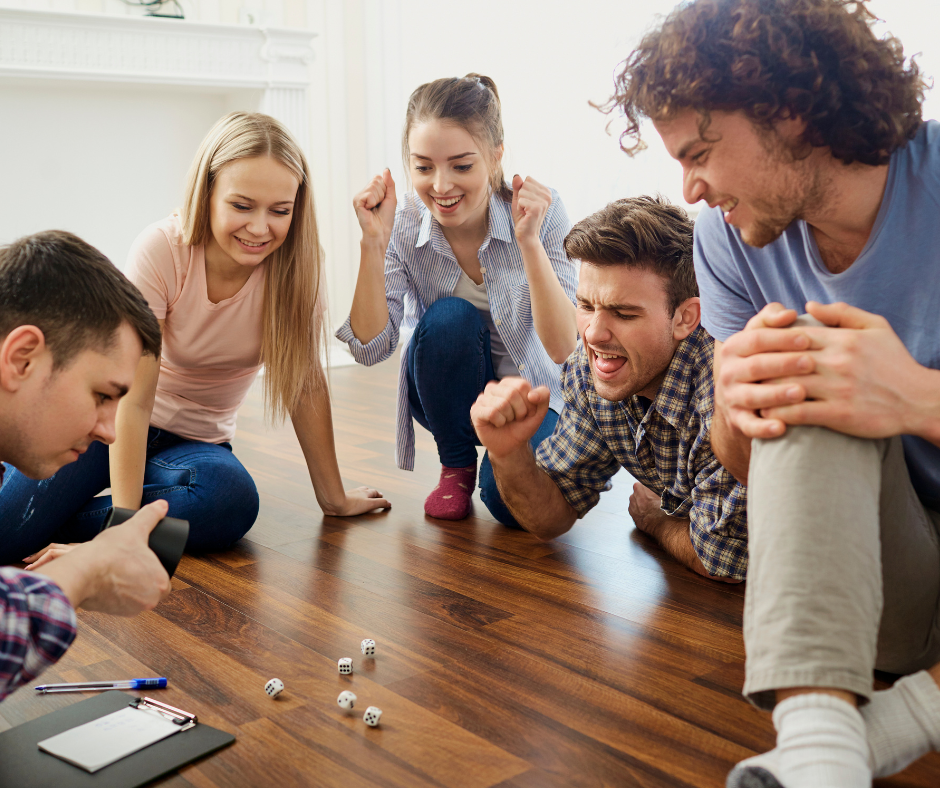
<point>471,102</point>
<point>643,232</point>
<point>817,60</point>
<point>72,293</point>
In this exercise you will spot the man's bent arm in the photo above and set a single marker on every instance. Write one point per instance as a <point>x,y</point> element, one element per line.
<point>672,534</point>
<point>531,495</point>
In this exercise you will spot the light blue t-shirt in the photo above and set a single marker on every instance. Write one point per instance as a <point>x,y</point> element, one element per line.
<point>897,275</point>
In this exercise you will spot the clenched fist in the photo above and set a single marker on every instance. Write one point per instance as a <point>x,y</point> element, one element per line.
<point>375,209</point>
<point>508,413</point>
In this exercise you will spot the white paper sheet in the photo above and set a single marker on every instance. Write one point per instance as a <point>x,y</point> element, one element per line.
<point>96,744</point>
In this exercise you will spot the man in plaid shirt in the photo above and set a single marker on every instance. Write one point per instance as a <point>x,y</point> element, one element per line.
<point>638,395</point>
<point>61,377</point>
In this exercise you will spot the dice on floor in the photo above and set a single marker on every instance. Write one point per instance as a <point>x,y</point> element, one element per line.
<point>346,699</point>
<point>368,647</point>
<point>345,665</point>
<point>372,715</point>
<point>274,687</point>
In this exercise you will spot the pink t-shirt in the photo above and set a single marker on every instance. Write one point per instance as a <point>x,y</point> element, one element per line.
<point>211,352</point>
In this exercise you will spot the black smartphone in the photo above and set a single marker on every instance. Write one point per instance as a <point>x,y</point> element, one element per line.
<point>167,540</point>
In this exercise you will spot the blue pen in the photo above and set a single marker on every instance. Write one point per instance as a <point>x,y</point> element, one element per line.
<point>95,686</point>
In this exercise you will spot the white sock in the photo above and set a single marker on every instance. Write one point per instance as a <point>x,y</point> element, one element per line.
<point>903,723</point>
<point>821,743</point>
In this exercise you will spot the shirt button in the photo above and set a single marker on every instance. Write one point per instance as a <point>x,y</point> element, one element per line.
<point>499,322</point>
<point>482,269</point>
<point>521,367</point>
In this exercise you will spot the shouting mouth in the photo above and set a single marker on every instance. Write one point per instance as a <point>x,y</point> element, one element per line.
<point>607,365</point>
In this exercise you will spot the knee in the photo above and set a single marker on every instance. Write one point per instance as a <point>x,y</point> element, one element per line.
<point>450,316</point>
<point>488,489</point>
<point>811,446</point>
<point>228,512</point>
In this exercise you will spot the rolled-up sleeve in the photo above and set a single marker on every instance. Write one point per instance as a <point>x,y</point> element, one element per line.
<point>379,348</point>
<point>37,625</point>
<point>718,521</point>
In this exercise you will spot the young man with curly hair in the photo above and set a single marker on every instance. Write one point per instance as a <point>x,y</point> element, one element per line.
<point>638,394</point>
<point>802,132</point>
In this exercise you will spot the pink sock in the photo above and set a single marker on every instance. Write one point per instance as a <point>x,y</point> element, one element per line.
<point>450,500</point>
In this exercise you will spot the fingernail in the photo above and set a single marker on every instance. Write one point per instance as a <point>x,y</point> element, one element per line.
<point>793,392</point>
<point>803,363</point>
<point>801,340</point>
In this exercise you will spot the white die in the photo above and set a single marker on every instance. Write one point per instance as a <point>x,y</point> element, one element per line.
<point>371,717</point>
<point>345,665</point>
<point>346,699</point>
<point>368,647</point>
<point>274,687</point>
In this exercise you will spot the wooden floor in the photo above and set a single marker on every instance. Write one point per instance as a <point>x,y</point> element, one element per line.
<point>590,661</point>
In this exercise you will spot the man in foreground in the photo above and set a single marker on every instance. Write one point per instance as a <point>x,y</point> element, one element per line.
<point>803,133</point>
<point>72,330</point>
<point>638,395</point>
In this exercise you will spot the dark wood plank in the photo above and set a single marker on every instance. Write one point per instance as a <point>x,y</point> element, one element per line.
<point>502,661</point>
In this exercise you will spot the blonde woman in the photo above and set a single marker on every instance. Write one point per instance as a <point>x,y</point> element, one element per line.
<point>234,278</point>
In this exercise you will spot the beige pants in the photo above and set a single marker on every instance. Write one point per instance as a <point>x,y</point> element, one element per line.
<point>844,566</point>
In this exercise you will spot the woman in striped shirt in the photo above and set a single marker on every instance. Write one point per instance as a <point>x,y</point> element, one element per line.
<point>475,284</point>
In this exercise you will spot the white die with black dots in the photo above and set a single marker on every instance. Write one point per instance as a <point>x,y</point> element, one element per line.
<point>346,699</point>
<point>345,665</point>
<point>368,647</point>
<point>274,687</point>
<point>372,715</point>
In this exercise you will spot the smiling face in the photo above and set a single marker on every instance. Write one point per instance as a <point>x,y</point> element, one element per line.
<point>450,174</point>
<point>629,333</point>
<point>51,416</point>
<point>250,211</point>
<point>748,172</point>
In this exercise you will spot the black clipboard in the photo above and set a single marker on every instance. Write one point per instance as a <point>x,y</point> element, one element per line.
<point>24,765</point>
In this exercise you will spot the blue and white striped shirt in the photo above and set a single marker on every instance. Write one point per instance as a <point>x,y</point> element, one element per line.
<point>420,268</point>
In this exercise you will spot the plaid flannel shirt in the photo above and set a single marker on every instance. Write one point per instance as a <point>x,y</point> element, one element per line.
<point>37,625</point>
<point>665,445</point>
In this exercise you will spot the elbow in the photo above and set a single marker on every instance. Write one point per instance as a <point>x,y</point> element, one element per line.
<point>546,531</point>
<point>559,352</point>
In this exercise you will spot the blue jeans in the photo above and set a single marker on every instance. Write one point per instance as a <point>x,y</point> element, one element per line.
<point>449,364</point>
<point>202,482</point>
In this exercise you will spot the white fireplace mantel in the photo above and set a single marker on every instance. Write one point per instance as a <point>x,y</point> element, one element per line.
<point>144,50</point>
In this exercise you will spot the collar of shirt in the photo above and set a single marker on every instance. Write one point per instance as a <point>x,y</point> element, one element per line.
<point>677,388</point>
<point>501,227</point>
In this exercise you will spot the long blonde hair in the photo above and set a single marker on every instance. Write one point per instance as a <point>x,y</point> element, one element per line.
<point>293,319</point>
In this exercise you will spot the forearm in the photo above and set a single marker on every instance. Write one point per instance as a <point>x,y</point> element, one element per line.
<point>313,423</point>
<point>731,446</point>
<point>553,314</point>
<point>369,313</point>
<point>674,536</point>
<point>531,495</point>
<point>128,455</point>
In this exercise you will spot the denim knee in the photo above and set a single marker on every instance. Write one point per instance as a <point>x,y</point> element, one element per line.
<point>230,513</point>
<point>451,314</point>
<point>206,485</point>
<point>450,324</point>
<point>489,494</point>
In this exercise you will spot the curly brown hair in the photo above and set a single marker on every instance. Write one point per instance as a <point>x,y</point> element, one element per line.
<point>774,59</point>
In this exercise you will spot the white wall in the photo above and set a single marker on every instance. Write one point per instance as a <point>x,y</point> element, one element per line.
<point>103,174</point>
<point>106,164</point>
